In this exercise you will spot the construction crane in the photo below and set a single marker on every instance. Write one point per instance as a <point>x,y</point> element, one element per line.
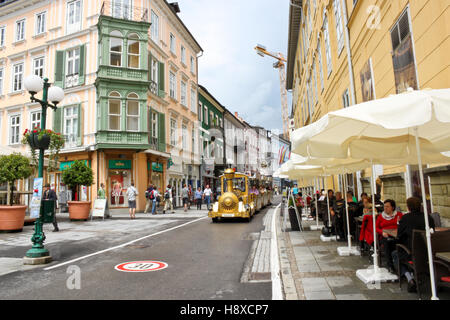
<point>280,65</point>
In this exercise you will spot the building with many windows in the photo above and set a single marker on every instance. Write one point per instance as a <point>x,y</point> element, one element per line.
<point>129,72</point>
<point>344,52</point>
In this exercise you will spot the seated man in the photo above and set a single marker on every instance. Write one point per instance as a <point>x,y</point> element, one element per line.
<point>413,220</point>
<point>337,213</point>
<point>352,213</point>
<point>388,220</point>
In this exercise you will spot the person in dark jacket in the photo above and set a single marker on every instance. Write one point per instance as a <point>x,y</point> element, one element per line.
<point>50,195</point>
<point>413,220</point>
<point>337,212</point>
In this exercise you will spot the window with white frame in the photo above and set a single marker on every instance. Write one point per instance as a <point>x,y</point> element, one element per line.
<point>70,125</point>
<point>155,74</point>
<point>72,67</point>
<point>14,129</point>
<point>35,119</point>
<point>173,85</point>
<point>115,49</point>
<point>200,111</point>
<point>184,134</point>
<point>327,44</point>
<point>1,80</point>
<point>73,16</point>
<point>132,112</point>
<point>154,126</point>
<point>20,30</point>
<point>339,26</point>
<point>133,51</point>
<point>173,44</point>
<point>154,27</point>
<point>173,131</point>
<point>40,23</point>
<point>345,99</point>
<point>192,64</point>
<point>183,54</point>
<point>121,9</point>
<point>211,118</point>
<point>183,99</point>
<point>38,66</point>
<point>114,111</point>
<point>2,36</point>
<point>205,116</point>
<point>17,77</point>
<point>193,100</point>
<point>193,140</point>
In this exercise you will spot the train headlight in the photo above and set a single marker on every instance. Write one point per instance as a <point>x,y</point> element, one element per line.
<point>216,207</point>
<point>241,206</point>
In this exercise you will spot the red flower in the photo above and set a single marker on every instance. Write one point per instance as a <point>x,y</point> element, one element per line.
<point>34,131</point>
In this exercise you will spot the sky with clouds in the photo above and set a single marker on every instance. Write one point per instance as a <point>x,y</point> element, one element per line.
<point>228,31</point>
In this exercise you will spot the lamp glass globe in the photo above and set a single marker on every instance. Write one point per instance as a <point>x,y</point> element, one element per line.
<point>55,94</point>
<point>33,83</point>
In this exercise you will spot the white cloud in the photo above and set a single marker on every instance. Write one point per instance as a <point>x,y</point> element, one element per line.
<point>230,68</point>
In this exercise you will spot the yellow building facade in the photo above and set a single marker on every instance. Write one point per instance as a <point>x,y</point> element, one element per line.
<point>358,50</point>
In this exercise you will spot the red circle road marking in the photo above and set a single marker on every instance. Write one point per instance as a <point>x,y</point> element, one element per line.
<point>141,266</point>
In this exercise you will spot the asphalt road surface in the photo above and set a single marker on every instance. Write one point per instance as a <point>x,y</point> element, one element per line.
<point>205,261</point>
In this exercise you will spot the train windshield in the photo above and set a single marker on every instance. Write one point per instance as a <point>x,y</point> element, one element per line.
<point>238,183</point>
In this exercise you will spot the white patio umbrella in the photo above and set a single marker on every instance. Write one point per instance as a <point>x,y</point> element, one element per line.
<point>387,130</point>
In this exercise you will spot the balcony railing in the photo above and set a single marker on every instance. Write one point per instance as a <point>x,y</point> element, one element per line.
<point>123,11</point>
<point>71,80</point>
<point>153,87</point>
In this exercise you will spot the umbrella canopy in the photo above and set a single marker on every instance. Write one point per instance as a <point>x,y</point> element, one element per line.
<point>384,124</point>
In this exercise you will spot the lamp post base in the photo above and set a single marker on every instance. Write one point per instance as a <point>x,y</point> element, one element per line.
<point>38,260</point>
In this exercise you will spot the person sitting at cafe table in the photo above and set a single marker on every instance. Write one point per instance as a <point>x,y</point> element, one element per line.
<point>410,221</point>
<point>388,219</point>
<point>337,215</point>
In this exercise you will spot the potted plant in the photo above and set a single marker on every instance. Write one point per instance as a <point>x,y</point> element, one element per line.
<point>13,167</point>
<point>79,174</point>
<point>44,139</point>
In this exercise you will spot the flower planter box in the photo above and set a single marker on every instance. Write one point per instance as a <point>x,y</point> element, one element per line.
<point>79,210</point>
<point>36,143</point>
<point>12,218</point>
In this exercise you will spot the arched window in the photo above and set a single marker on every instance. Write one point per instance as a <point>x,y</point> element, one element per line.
<point>114,111</point>
<point>115,49</point>
<point>132,112</point>
<point>133,51</point>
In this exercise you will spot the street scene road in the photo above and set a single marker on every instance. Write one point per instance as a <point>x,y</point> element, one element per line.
<point>205,260</point>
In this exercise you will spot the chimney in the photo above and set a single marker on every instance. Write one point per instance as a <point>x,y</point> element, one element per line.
<point>175,7</point>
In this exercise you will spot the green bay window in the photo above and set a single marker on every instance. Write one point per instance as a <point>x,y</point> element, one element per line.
<point>114,111</point>
<point>132,112</point>
<point>115,49</point>
<point>133,51</point>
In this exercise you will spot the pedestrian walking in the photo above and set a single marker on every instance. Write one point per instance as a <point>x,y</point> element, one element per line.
<point>101,194</point>
<point>207,195</point>
<point>198,198</point>
<point>153,196</point>
<point>185,196</point>
<point>191,197</point>
<point>50,195</point>
<point>131,195</point>
<point>148,203</point>
<point>168,199</point>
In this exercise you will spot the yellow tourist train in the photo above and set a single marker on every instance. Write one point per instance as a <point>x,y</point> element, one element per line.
<point>238,199</point>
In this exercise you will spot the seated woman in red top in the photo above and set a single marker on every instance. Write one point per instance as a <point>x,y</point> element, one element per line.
<point>388,220</point>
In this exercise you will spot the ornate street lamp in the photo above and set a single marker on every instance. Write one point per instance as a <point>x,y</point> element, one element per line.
<point>34,84</point>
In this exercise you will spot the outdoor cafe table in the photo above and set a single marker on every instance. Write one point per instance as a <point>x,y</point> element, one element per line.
<point>393,232</point>
<point>444,256</point>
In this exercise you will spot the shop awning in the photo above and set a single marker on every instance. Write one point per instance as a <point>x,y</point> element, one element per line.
<point>157,153</point>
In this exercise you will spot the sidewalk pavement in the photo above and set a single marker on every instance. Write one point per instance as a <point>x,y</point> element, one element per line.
<point>116,229</point>
<point>313,270</point>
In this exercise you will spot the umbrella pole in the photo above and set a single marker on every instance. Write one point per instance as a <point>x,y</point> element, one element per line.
<point>375,253</point>
<point>425,212</point>
<point>349,237</point>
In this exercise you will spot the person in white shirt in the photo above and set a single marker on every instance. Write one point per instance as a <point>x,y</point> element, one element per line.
<point>207,195</point>
<point>168,199</point>
<point>131,195</point>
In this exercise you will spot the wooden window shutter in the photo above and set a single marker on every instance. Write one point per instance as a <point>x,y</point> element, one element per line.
<point>79,129</point>
<point>82,71</point>
<point>59,68</point>
<point>57,120</point>
<point>161,79</point>
<point>162,132</point>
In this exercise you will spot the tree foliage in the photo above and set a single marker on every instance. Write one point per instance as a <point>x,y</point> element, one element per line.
<point>14,167</point>
<point>79,174</point>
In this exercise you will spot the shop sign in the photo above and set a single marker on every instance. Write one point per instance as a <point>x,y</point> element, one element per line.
<point>67,164</point>
<point>156,167</point>
<point>119,164</point>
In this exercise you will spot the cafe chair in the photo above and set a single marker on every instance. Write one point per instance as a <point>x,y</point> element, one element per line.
<point>442,272</point>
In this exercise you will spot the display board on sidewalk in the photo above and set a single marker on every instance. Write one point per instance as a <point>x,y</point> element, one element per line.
<point>99,208</point>
<point>35,206</point>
